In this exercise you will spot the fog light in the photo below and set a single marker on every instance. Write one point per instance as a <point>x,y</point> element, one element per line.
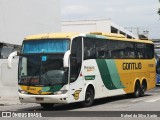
<point>20,98</point>
<point>23,92</point>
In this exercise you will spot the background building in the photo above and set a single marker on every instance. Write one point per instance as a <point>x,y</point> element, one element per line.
<point>20,18</point>
<point>157,46</point>
<point>95,26</point>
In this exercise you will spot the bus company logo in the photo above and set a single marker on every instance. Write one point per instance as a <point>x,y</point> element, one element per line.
<point>89,68</point>
<point>76,94</point>
<point>132,66</point>
<point>40,92</point>
<point>31,88</point>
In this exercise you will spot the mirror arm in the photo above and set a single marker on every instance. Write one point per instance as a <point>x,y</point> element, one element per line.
<point>66,59</point>
<point>10,58</point>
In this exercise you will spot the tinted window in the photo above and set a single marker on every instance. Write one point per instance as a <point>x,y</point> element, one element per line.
<point>121,50</point>
<point>140,49</point>
<point>95,48</point>
<point>102,49</point>
<point>149,51</point>
<point>89,48</point>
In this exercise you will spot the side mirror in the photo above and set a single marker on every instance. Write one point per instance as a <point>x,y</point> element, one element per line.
<point>66,59</point>
<point>10,58</point>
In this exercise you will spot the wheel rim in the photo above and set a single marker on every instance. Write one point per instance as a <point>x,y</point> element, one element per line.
<point>137,91</point>
<point>143,88</point>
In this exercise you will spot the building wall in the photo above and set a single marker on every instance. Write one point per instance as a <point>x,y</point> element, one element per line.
<point>157,46</point>
<point>94,26</point>
<point>20,18</point>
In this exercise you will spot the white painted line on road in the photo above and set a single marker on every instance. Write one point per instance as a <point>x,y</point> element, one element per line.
<point>136,100</point>
<point>153,100</point>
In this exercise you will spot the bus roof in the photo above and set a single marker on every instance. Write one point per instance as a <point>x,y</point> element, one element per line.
<point>120,37</point>
<point>51,35</point>
<point>103,35</point>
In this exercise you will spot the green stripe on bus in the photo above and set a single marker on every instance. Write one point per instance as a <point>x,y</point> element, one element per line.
<point>105,75</point>
<point>114,74</point>
<point>95,36</point>
<point>109,74</point>
<point>52,88</point>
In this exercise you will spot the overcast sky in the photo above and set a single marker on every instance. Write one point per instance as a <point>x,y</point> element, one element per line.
<point>126,13</point>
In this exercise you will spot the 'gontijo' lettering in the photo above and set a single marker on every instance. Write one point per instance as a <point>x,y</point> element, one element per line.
<point>132,66</point>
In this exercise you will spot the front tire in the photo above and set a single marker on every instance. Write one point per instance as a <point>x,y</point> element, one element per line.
<point>89,98</point>
<point>47,106</point>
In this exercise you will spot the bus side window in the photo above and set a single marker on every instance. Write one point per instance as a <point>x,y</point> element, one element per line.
<point>75,59</point>
<point>89,48</point>
<point>86,53</point>
<point>149,51</point>
<point>140,50</point>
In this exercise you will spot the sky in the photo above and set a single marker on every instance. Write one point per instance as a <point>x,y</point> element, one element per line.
<point>141,14</point>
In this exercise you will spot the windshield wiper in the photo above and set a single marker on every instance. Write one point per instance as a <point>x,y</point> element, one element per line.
<point>45,76</point>
<point>29,82</point>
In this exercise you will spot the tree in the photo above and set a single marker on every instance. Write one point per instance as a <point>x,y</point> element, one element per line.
<point>159,9</point>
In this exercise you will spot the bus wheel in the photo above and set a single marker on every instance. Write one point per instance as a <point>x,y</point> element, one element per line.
<point>136,90</point>
<point>89,98</point>
<point>47,106</point>
<point>143,89</point>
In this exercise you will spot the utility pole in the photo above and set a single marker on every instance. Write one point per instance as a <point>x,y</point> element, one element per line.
<point>146,33</point>
<point>159,9</point>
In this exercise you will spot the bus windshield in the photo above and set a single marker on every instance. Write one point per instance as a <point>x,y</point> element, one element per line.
<point>41,70</point>
<point>41,62</point>
<point>45,46</point>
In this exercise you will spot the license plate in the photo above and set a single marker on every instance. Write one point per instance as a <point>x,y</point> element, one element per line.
<point>39,99</point>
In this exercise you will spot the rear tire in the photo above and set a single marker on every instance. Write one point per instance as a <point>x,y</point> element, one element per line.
<point>137,90</point>
<point>47,106</point>
<point>143,89</point>
<point>89,98</point>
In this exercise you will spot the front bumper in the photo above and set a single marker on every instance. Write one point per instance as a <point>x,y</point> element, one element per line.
<point>27,98</point>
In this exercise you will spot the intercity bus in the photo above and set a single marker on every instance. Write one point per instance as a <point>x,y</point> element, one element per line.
<point>75,67</point>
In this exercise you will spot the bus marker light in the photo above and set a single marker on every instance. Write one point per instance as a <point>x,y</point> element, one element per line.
<point>81,74</point>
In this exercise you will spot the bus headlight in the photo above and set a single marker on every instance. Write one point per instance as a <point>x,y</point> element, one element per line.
<point>23,92</point>
<point>60,92</point>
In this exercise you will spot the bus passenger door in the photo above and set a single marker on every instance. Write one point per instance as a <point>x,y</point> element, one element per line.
<point>76,90</point>
<point>76,80</point>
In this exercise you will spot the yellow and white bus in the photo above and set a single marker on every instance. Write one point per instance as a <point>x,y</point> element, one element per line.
<point>72,67</point>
